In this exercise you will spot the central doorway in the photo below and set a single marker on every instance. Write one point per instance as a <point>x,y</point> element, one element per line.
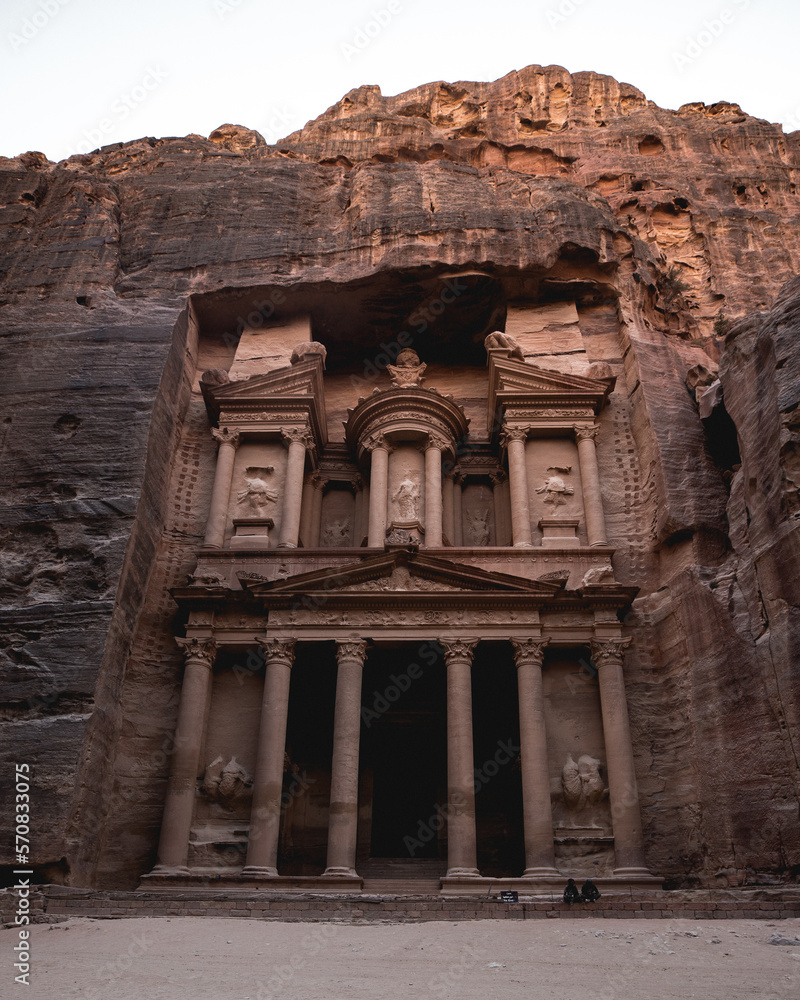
<point>404,758</point>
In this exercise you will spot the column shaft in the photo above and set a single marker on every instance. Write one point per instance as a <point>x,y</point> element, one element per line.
<point>458,522</point>
<point>378,487</point>
<point>536,809</point>
<point>518,483</point>
<point>358,510</point>
<point>343,817</point>
<point>590,481</point>
<point>448,519</point>
<point>293,490</point>
<point>622,791</point>
<point>223,477</point>
<point>433,495</point>
<point>173,847</point>
<point>305,513</point>
<point>265,814</point>
<point>316,510</point>
<point>461,838</point>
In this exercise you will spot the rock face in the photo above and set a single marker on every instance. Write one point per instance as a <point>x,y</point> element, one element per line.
<point>572,209</point>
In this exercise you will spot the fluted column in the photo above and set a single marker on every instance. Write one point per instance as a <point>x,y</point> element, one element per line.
<point>461,839</point>
<point>173,846</point>
<point>622,791</point>
<point>514,439</point>
<point>228,438</point>
<point>590,481</point>
<point>319,484</point>
<point>343,817</point>
<point>448,517</point>
<point>298,440</point>
<point>458,522</point>
<point>500,513</point>
<point>433,491</point>
<point>536,810</point>
<point>378,489</point>
<point>265,813</point>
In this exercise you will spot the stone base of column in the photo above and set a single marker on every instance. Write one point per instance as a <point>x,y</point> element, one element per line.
<point>253,871</point>
<point>523,545</point>
<point>540,872</point>
<point>635,872</point>
<point>463,873</point>
<point>170,870</point>
<point>286,545</point>
<point>340,873</point>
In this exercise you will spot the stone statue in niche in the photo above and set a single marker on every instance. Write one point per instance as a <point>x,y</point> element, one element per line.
<point>408,370</point>
<point>583,789</point>
<point>336,533</point>
<point>227,784</point>
<point>506,341</point>
<point>256,494</point>
<point>478,527</point>
<point>554,488</point>
<point>406,496</point>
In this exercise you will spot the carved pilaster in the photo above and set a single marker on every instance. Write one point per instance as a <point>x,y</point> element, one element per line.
<point>513,439</point>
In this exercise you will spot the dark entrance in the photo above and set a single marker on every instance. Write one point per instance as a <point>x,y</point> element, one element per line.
<point>404,750</point>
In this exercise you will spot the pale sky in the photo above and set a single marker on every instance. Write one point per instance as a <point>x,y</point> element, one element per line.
<point>78,74</point>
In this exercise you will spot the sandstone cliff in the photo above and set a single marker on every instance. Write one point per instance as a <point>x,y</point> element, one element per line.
<point>660,227</point>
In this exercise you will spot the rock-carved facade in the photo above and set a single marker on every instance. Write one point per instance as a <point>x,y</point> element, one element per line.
<point>397,565</point>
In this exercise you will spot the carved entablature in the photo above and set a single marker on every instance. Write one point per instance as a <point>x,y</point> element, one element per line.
<point>540,400</point>
<point>406,413</point>
<point>267,406</point>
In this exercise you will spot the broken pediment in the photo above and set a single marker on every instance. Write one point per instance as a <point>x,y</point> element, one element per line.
<point>542,393</point>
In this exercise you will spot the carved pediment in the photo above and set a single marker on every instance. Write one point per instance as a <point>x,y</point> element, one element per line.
<point>396,573</point>
<point>526,387</point>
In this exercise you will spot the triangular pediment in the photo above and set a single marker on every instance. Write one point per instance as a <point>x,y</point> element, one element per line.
<point>397,572</point>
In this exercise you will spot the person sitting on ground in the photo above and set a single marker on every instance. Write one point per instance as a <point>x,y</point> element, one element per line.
<point>571,894</point>
<point>589,891</point>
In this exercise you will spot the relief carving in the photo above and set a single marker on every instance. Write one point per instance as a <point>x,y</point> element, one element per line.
<point>506,341</point>
<point>227,784</point>
<point>256,494</point>
<point>583,793</point>
<point>337,533</point>
<point>555,489</point>
<point>477,527</point>
<point>406,496</point>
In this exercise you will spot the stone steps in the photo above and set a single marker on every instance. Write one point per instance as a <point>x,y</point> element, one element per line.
<point>401,886</point>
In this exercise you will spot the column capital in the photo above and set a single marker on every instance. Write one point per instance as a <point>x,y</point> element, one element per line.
<point>319,482</point>
<point>227,435</point>
<point>200,650</point>
<point>280,650</point>
<point>375,441</point>
<point>609,650</point>
<point>499,477</point>
<point>458,475</point>
<point>351,649</point>
<point>436,441</point>
<point>356,483</point>
<point>513,434</point>
<point>584,433</point>
<point>299,434</point>
<point>529,652</point>
<point>458,650</point>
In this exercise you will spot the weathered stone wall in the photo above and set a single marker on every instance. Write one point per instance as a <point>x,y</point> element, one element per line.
<point>572,187</point>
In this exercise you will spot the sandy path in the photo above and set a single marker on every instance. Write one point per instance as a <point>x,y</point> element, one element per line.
<point>161,958</point>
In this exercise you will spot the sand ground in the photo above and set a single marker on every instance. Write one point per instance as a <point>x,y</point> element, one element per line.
<point>163,958</point>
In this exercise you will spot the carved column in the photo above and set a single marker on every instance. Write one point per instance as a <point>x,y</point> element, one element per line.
<point>305,512</point>
<point>173,846</point>
<point>378,489</point>
<point>590,481</point>
<point>362,519</point>
<point>501,532</point>
<point>319,483</point>
<point>448,518</point>
<point>458,522</point>
<point>461,840</point>
<point>433,491</point>
<point>343,819</point>
<point>298,440</point>
<point>265,814</point>
<point>622,791</point>
<point>228,439</point>
<point>536,811</point>
<point>514,439</point>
